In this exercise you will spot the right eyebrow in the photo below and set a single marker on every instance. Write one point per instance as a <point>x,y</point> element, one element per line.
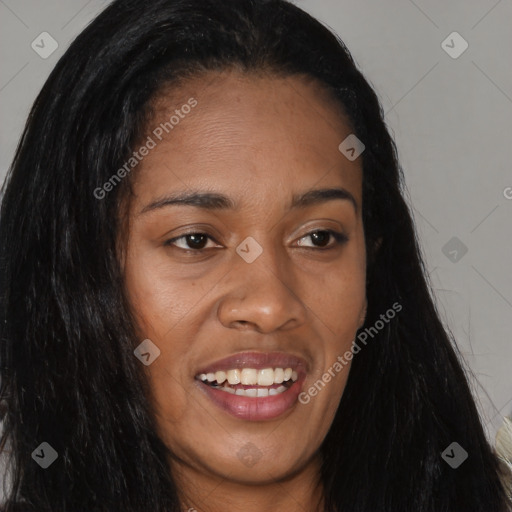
<point>205,200</point>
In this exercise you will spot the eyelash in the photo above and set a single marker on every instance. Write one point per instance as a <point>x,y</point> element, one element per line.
<point>339,240</point>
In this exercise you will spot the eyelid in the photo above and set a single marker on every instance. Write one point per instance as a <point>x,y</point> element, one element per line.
<point>170,241</point>
<point>340,239</point>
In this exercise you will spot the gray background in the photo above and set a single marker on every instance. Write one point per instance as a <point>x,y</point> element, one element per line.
<point>451,118</point>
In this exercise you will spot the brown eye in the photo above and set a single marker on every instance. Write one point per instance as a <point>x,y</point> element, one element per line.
<point>322,237</point>
<point>196,241</point>
<point>191,241</point>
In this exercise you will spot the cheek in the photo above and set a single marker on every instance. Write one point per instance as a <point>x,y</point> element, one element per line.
<point>338,301</point>
<point>161,304</point>
<point>159,297</point>
<point>337,295</point>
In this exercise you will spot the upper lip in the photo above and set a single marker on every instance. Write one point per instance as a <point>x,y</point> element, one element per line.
<point>258,361</point>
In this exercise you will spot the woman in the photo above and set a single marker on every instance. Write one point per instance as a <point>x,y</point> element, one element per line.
<point>212,292</point>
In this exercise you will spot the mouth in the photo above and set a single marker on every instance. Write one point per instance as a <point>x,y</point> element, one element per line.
<point>251,382</point>
<point>254,386</point>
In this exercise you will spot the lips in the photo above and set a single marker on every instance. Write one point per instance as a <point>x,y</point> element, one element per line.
<point>257,360</point>
<point>254,386</point>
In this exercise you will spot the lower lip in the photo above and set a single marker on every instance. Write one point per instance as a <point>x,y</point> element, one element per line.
<point>257,408</point>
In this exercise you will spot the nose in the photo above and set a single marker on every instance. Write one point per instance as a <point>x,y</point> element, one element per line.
<point>262,297</point>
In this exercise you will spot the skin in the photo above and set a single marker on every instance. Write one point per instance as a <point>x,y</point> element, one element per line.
<point>259,140</point>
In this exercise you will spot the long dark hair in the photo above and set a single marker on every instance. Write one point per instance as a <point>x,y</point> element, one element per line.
<point>68,374</point>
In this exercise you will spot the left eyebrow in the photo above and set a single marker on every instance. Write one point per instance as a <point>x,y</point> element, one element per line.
<point>322,195</point>
<point>216,201</point>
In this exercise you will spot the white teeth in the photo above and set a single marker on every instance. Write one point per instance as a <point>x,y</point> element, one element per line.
<point>253,392</point>
<point>266,377</point>
<point>249,377</point>
<point>233,376</point>
<point>278,375</point>
<point>220,377</point>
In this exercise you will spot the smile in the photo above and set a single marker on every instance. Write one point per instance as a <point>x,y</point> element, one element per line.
<point>248,386</point>
<point>251,382</point>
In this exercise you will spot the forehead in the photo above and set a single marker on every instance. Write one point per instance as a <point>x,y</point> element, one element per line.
<point>246,133</point>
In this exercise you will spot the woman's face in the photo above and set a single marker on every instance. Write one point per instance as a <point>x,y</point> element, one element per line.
<point>252,285</point>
